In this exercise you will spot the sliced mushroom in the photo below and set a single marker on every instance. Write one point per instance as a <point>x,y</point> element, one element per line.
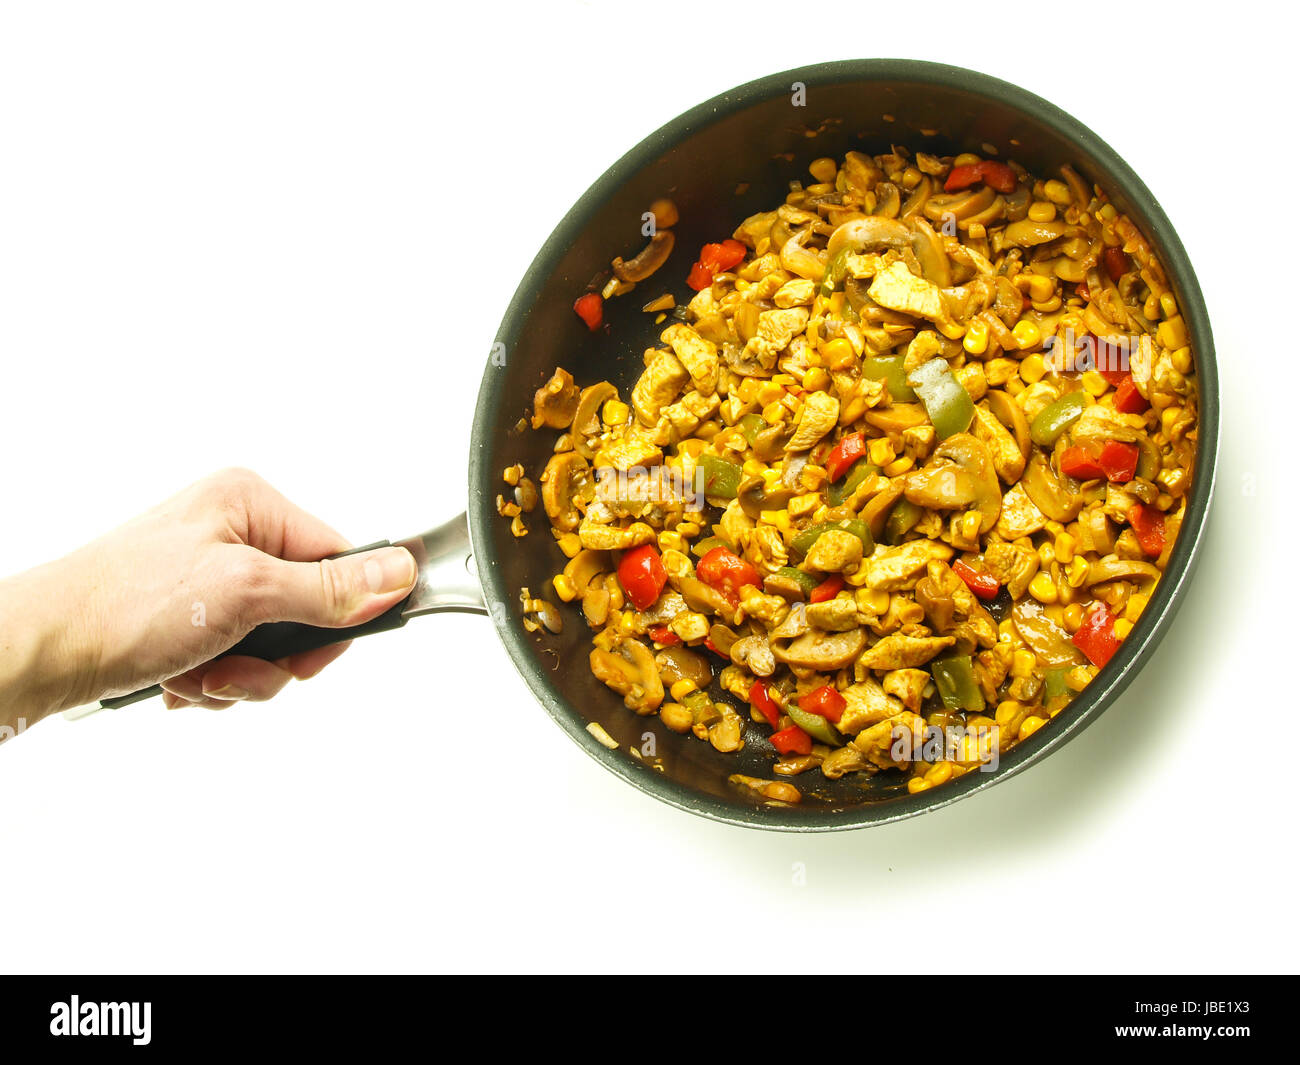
<point>897,417</point>
<point>958,206</point>
<point>1008,412</point>
<point>555,403</point>
<point>632,673</point>
<point>794,624</point>
<point>754,498</point>
<point>1059,500</point>
<point>822,651</point>
<point>566,481</point>
<point>799,260</point>
<point>647,260</point>
<point>959,475</point>
<point>586,419</point>
<point>1028,233</point>
<point>875,234</point>
<point>755,654</point>
<point>701,597</point>
<point>1113,568</point>
<point>681,663</point>
<point>769,443</point>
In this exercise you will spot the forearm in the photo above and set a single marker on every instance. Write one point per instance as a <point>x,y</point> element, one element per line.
<point>41,671</point>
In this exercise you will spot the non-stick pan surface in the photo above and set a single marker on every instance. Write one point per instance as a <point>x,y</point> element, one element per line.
<point>721,162</point>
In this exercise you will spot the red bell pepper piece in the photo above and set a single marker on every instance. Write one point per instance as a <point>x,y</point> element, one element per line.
<point>1118,460</point>
<point>641,573</point>
<point>1128,400</point>
<point>715,649</point>
<point>1116,262</point>
<point>996,175</point>
<point>825,702</point>
<point>981,582</point>
<point>1109,362</point>
<point>724,571</point>
<point>844,454</point>
<point>1077,462</point>
<point>591,309</point>
<point>715,259</point>
<point>662,634</point>
<point>828,589</point>
<point>1148,525</point>
<point>792,740</point>
<point>1096,636</point>
<point>763,703</point>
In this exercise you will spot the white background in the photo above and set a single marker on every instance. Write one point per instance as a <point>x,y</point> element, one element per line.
<point>282,235</point>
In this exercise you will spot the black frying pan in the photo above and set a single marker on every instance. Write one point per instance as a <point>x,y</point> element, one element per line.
<point>720,162</point>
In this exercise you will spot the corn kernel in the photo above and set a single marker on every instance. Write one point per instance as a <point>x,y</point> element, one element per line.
<point>1182,360</point>
<point>671,541</point>
<point>1072,617</point>
<point>976,340</point>
<point>1123,627</point>
<point>1078,572</point>
<point>1064,596</point>
<point>898,466</point>
<point>1015,386</point>
<point>938,773</point>
<point>966,159</point>
<point>1135,605</point>
<point>1008,710</point>
<point>1093,383</point>
<point>570,544</point>
<point>1063,548</point>
<point>1041,288</point>
<point>1033,369</point>
<point>1042,588</point>
<point>564,588</point>
<point>1172,333</point>
<point>1029,726</point>
<point>614,412</point>
<point>837,354</point>
<point>1006,631</point>
<point>915,784</point>
<point>816,380</point>
<point>1168,305</point>
<point>774,413</point>
<point>881,452</point>
<point>1022,663</point>
<point>681,689</point>
<point>1058,192</point>
<point>1151,308</point>
<point>770,392</point>
<point>1046,555</point>
<point>1027,335</point>
<point>1042,211</point>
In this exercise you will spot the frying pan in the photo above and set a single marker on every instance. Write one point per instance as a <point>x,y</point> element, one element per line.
<point>721,162</point>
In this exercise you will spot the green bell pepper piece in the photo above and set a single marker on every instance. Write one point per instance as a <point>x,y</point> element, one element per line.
<point>708,544</point>
<point>1056,417</point>
<point>834,274</point>
<point>954,676</point>
<point>721,478</point>
<point>1054,683</point>
<point>750,426</point>
<point>815,725</point>
<point>948,404</point>
<point>858,472</point>
<point>806,581</point>
<point>803,543</point>
<point>890,368</point>
<point>901,521</point>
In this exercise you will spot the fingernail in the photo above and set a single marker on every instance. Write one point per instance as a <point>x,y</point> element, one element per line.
<point>229,692</point>
<point>390,569</point>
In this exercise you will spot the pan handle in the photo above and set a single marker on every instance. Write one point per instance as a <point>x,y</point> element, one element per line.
<point>446,583</point>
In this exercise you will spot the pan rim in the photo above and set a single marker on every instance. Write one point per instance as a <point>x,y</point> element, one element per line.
<point>1141,642</point>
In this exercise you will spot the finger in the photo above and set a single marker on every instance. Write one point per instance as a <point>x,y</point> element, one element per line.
<point>238,677</point>
<point>171,701</point>
<point>283,529</point>
<point>334,593</point>
<point>306,665</point>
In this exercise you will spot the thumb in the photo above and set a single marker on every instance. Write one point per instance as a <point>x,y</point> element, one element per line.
<point>337,592</point>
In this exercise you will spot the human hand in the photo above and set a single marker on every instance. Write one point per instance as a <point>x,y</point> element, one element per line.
<point>158,599</point>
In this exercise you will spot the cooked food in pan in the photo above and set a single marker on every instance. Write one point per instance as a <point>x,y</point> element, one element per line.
<point>899,479</point>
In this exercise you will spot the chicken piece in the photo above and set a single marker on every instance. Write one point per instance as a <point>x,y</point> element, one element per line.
<point>736,526</point>
<point>663,377</point>
<point>679,420</point>
<point>1012,565</point>
<point>817,418</point>
<point>633,450</point>
<point>945,598</point>
<point>897,288</point>
<point>834,551</point>
<point>894,569</point>
<point>1019,515</point>
<point>907,686</point>
<point>834,615</point>
<point>900,651</point>
<point>596,536</point>
<point>866,703</point>
<point>775,330</point>
<point>796,293</point>
<point>1008,459</point>
<point>699,356</point>
<point>771,549</point>
<point>903,733</point>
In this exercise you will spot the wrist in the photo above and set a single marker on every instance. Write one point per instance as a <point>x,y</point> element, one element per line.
<point>46,663</point>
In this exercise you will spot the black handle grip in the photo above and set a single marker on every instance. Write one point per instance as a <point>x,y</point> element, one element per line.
<point>280,639</point>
